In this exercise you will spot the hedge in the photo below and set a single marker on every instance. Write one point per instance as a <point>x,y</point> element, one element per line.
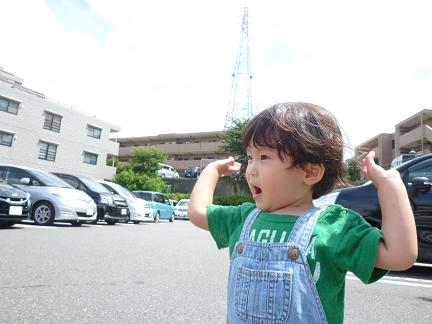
<point>218,200</point>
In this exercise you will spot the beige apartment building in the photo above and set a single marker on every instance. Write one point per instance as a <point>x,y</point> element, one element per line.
<point>413,133</point>
<point>42,134</point>
<point>184,150</point>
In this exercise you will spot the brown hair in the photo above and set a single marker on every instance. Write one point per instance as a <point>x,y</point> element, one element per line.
<point>307,133</point>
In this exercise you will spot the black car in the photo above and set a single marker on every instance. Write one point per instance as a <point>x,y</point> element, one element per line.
<point>417,176</point>
<point>192,172</point>
<point>14,204</point>
<point>110,208</point>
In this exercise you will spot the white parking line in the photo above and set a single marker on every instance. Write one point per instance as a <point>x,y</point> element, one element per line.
<point>399,281</point>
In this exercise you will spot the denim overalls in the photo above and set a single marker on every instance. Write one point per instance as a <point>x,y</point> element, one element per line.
<point>272,282</point>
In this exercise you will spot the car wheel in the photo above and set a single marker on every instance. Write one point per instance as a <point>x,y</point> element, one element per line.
<point>43,213</point>
<point>135,222</point>
<point>157,217</point>
<point>172,218</point>
<point>111,221</point>
<point>76,223</point>
<point>7,224</point>
<point>126,220</point>
<point>163,175</point>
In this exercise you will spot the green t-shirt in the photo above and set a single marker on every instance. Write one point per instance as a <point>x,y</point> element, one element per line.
<point>341,241</point>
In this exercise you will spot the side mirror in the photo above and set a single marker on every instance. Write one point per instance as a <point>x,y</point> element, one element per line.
<point>25,181</point>
<point>421,183</point>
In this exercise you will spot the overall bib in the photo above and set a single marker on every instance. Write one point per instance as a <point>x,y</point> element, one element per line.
<point>272,282</point>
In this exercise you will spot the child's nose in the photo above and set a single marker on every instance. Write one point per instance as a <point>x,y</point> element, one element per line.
<point>251,169</point>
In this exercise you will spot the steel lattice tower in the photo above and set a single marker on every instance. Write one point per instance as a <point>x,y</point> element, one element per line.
<point>240,104</point>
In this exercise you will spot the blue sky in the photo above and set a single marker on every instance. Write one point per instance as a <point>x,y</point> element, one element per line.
<point>148,66</point>
<point>77,16</point>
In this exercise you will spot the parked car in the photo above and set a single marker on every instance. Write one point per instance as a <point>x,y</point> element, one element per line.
<point>181,209</point>
<point>417,175</point>
<point>110,208</point>
<point>53,200</point>
<point>162,208</point>
<point>402,158</point>
<point>14,204</point>
<point>173,202</point>
<point>192,172</point>
<point>167,171</point>
<point>140,210</point>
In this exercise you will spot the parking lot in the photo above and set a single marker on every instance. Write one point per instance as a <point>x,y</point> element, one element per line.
<point>155,273</point>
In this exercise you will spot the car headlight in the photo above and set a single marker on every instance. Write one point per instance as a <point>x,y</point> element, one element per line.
<point>326,200</point>
<point>107,200</point>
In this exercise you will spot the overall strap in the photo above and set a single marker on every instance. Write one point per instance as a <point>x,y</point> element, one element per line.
<point>303,228</point>
<point>245,233</point>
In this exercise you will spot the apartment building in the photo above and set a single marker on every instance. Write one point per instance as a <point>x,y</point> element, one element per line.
<point>43,134</point>
<point>184,150</point>
<point>411,134</point>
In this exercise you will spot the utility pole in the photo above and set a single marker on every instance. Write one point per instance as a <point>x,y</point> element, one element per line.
<point>240,104</point>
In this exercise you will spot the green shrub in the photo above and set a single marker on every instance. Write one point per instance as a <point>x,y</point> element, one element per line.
<point>232,201</point>
<point>218,200</point>
<point>178,195</point>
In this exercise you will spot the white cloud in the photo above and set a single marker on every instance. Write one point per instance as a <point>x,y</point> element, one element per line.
<point>162,64</point>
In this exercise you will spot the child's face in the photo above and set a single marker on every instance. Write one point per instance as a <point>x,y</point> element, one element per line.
<point>275,185</point>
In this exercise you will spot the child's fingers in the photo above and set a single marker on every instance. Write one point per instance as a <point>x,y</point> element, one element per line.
<point>235,167</point>
<point>368,163</point>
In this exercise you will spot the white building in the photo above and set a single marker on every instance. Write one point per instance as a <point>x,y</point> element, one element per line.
<point>38,133</point>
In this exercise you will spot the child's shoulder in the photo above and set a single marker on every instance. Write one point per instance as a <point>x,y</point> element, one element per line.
<point>338,214</point>
<point>242,210</point>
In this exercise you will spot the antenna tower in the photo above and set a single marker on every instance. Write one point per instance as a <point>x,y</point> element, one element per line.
<point>240,104</point>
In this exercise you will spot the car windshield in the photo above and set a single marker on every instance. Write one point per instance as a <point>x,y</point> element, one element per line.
<point>94,186</point>
<point>121,190</point>
<point>49,180</point>
<point>144,195</point>
<point>183,203</point>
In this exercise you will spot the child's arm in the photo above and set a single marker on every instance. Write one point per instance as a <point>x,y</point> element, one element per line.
<point>398,250</point>
<point>202,193</point>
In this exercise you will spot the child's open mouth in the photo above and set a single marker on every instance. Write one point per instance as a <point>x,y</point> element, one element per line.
<point>256,190</point>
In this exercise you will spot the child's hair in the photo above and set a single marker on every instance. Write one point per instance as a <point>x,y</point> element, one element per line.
<point>307,133</point>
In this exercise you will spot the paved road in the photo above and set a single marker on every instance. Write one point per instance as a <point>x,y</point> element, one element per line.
<point>154,273</point>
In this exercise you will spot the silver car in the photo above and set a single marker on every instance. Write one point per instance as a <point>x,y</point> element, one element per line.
<point>53,199</point>
<point>140,210</point>
<point>181,209</point>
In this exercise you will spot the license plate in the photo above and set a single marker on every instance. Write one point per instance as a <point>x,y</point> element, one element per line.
<point>123,211</point>
<point>89,212</point>
<point>15,210</point>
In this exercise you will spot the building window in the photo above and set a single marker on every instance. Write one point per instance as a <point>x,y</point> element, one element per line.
<point>94,131</point>
<point>6,138</point>
<point>90,158</point>
<point>9,106</point>
<point>52,122</point>
<point>47,151</point>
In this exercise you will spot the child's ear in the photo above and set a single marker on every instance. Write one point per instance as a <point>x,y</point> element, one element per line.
<point>314,172</point>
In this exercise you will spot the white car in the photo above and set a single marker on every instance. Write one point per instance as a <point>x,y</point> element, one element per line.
<point>140,210</point>
<point>167,171</point>
<point>181,209</point>
<point>53,199</point>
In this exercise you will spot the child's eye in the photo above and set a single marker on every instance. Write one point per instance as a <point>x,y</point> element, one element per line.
<point>264,157</point>
<point>249,158</point>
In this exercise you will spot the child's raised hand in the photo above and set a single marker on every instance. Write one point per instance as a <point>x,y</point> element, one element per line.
<point>375,172</point>
<point>226,166</point>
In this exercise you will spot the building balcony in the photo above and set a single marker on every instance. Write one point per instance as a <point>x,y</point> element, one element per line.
<point>411,138</point>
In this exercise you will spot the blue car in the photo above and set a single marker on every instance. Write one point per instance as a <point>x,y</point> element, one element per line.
<point>161,205</point>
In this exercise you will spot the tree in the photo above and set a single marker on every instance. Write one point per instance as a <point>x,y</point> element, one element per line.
<point>233,144</point>
<point>140,172</point>
<point>146,159</point>
<point>353,170</point>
